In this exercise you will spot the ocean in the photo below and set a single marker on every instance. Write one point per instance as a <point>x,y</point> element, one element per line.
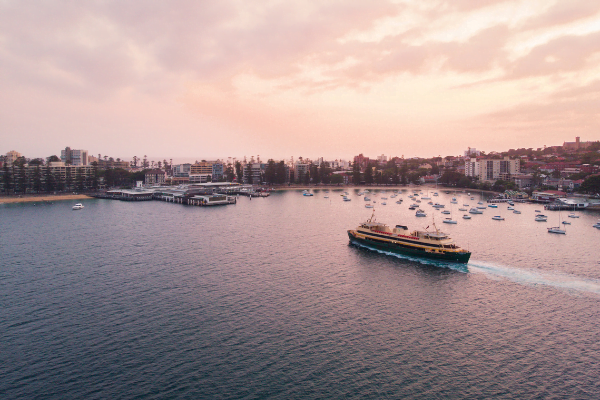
<point>267,299</point>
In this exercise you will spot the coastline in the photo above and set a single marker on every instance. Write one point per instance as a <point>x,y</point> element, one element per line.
<point>45,197</point>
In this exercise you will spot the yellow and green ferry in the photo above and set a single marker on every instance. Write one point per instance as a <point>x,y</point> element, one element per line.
<point>436,245</point>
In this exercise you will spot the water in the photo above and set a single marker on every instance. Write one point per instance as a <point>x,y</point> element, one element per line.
<point>267,299</point>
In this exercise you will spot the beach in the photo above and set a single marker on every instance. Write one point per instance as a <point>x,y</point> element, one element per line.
<point>40,198</point>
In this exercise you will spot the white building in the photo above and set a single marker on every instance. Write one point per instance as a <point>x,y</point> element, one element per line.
<point>472,152</point>
<point>472,167</point>
<point>492,170</point>
<point>74,157</point>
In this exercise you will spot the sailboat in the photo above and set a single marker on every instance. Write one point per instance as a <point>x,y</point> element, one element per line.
<point>449,220</point>
<point>556,229</point>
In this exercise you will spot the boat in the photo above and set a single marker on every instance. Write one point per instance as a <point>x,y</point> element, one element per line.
<point>438,205</point>
<point>537,211</point>
<point>510,203</point>
<point>78,206</point>
<point>566,223</point>
<point>516,212</point>
<point>399,201</point>
<point>510,208</point>
<point>445,212</point>
<point>472,198</point>
<point>384,204</point>
<point>462,209</point>
<point>492,205</point>
<point>368,205</point>
<point>420,213</point>
<point>541,218</point>
<point>412,208</point>
<point>325,197</point>
<point>466,216</point>
<point>347,199</point>
<point>573,215</point>
<point>449,221</point>
<point>475,211</point>
<point>556,229</point>
<point>307,194</point>
<point>481,207</point>
<point>433,245</point>
<point>366,198</point>
<point>435,194</point>
<point>596,225</point>
<point>498,218</point>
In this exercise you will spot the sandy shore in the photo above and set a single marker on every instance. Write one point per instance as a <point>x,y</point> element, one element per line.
<point>40,198</point>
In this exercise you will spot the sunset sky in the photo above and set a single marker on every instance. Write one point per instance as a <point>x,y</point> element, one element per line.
<point>234,78</point>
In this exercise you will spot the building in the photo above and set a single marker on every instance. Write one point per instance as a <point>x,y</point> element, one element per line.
<point>300,171</point>
<point>382,159</point>
<point>112,164</point>
<point>472,168</point>
<point>576,145</point>
<point>362,161</point>
<point>11,157</point>
<point>472,152</point>
<point>182,170</point>
<point>74,157</point>
<point>492,170</point>
<point>201,172</point>
<point>155,177</point>
<point>218,170</point>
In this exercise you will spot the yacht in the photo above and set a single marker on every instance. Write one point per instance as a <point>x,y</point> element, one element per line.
<point>541,218</point>
<point>556,229</point>
<point>449,221</point>
<point>475,211</point>
<point>78,206</point>
<point>429,244</point>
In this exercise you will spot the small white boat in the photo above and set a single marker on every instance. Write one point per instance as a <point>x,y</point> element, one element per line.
<point>516,212</point>
<point>466,216</point>
<point>438,205</point>
<point>307,194</point>
<point>556,229</point>
<point>541,218</point>
<point>566,223</point>
<point>420,213</point>
<point>475,211</point>
<point>449,221</point>
<point>596,225</point>
<point>384,204</point>
<point>347,199</point>
<point>445,212</point>
<point>497,218</point>
<point>481,207</point>
<point>492,205</point>
<point>573,215</point>
<point>399,202</point>
<point>368,205</point>
<point>366,198</point>
<point>325,197</point>
<point>435,194</point>
<point>510,208</point>
<point>78,206</point>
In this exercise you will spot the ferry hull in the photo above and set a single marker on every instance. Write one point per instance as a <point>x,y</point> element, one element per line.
<point>462,257</point>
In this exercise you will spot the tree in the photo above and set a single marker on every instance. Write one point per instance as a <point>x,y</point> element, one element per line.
<point>369,175</point>
<point>68,179</point>
<point>49,181</point>
<point>355,173</point>
<point>270,172</point>
<point>36,161</point>
<point>22,178</point>
<point>249,172</point>
<point>37,179</point>
<point>95,175</point>
<point>238,171</point>
<point>337,179</point>
<point>79,180</point>
<point>52,159</point>
<point>7,178</point>
<point>591,185</point>
<point>281,173</point>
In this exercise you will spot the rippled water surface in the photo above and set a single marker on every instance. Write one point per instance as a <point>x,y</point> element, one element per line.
<point>267,299</point>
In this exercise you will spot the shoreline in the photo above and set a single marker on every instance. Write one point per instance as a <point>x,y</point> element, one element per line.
<point>43,197</point>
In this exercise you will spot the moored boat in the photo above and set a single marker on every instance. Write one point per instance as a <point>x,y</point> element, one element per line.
<point>78,206</point>
<point>435,245</point>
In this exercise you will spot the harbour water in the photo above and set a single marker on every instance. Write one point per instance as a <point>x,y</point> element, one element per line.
<point>267,299</point>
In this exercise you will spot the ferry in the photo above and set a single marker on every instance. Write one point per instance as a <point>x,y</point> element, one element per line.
<point>436,245</point>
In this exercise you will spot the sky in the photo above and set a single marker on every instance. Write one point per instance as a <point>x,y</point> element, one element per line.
<point>276,79</point>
